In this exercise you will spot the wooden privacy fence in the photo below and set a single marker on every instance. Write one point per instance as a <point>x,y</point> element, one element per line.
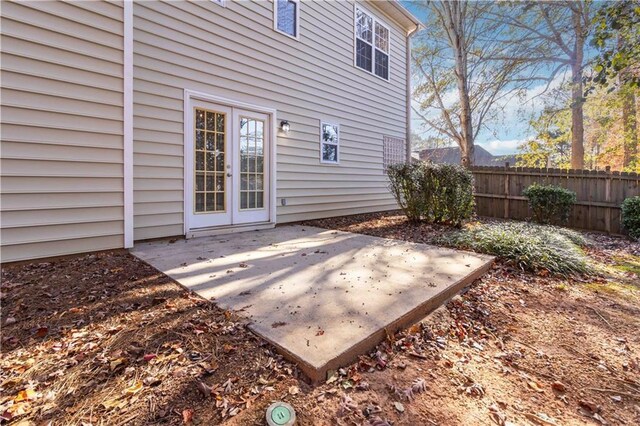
<point>498,193</point>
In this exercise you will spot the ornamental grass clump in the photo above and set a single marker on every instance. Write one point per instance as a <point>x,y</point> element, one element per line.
<point>528,246</point>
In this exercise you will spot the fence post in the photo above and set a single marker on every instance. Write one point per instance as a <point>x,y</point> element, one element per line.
<point>607,199</point>
<point>506,190</point>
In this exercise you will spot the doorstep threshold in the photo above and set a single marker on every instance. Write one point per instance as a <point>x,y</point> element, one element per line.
<point>228,229</point>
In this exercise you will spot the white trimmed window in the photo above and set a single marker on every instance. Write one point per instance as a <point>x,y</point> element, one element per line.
<point>286,17</point>
<point>329,142</point>
<point>371,44</point>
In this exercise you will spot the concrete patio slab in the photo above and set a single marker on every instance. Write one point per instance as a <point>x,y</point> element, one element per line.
<point>322,297</point>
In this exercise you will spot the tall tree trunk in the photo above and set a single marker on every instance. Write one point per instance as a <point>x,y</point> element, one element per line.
<point>457,31</point>
<point>630,129</point>
<point>467,147</point>
<point>577,101</point>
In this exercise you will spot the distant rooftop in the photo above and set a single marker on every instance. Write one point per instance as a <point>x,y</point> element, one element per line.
<point>451,155</point>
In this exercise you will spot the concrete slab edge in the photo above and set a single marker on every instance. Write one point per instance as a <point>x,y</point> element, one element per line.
<point>318,374</point>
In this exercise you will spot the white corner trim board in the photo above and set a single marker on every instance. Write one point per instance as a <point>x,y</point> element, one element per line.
<point>128,123</point>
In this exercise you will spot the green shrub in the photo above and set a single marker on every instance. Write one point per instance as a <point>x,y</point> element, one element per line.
<point>549,203</point>
<point>529,246</point>
<point>440,193</point>
<point>448,191</point>
<point>404,183</point>
<point>631,216</point>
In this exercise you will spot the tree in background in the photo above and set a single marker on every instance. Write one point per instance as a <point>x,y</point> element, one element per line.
<point>604,137</point>
<point>551,145</point>
<point>617,38</point>
<point>462,77</point>
<point>554,34</point>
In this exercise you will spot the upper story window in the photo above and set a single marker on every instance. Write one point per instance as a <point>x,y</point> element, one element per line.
<point>372,44</point>
<point>286,17</point>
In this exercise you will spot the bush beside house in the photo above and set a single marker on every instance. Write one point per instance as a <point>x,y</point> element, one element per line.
<point>436,193</point>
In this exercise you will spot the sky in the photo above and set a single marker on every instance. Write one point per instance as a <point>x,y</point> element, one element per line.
<point>513,129</point>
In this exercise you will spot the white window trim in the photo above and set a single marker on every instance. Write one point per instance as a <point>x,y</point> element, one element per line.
<point>275,19</point>
<point>377,20</point>
<point>330,123</point>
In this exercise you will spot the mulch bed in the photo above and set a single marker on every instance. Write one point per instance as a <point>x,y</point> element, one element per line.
<point>104,338</point>
<point>107,337</point>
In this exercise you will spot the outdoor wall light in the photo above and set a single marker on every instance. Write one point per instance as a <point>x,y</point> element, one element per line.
<point>285,126</point>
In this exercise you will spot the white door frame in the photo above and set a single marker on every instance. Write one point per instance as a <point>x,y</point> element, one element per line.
<point>190,95</point>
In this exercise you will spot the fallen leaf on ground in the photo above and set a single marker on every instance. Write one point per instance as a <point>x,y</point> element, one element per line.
<point>347,405</point>
<point>398,406</point>
<point>496,415</point>
<point>133,389</point>
<point>204,389</point>
<point>589,405</point>
<point>541,418</point>
<point>114,403</point>
<point>187,416</point>
<point>419,385</point>
<point>117,363</point>
<point>533,385</point>
<point>25,395</point>
<point>599,418</point>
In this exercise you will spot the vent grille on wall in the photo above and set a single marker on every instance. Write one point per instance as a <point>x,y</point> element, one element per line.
<point>394,151</point>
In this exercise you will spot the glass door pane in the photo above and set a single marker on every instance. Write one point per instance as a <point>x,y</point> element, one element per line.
<point>210,160</point>
<point>251,163</point>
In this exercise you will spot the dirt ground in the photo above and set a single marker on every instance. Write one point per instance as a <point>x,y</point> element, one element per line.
<point>105,339</point>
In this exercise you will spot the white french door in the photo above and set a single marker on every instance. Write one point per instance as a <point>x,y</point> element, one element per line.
<point>227,152</point>
<point>250,165</point>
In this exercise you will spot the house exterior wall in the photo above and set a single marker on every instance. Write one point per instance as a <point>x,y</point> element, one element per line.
<point>233,51</point>
<point>62,128</point>
<point>65,175</point>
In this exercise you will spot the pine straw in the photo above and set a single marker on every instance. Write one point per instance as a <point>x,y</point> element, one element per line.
<point>104,312</point>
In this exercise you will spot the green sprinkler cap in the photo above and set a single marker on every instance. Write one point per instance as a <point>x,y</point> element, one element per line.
<point>280,414</point>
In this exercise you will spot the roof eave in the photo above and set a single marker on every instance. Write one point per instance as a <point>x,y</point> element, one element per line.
<point>397,11</point>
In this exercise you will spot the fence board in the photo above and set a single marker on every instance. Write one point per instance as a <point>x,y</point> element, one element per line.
<point>498,193</point>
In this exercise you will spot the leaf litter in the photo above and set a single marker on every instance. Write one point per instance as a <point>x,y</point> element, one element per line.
<point>188,362</point>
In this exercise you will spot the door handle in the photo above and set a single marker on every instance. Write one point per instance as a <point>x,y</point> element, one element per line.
<point>228,174</point>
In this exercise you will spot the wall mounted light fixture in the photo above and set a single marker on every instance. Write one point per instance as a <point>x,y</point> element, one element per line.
<point>285,126</point>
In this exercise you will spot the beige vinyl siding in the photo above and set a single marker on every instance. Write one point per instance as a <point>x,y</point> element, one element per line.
<point>62,128</point>
<point>234,52</point>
